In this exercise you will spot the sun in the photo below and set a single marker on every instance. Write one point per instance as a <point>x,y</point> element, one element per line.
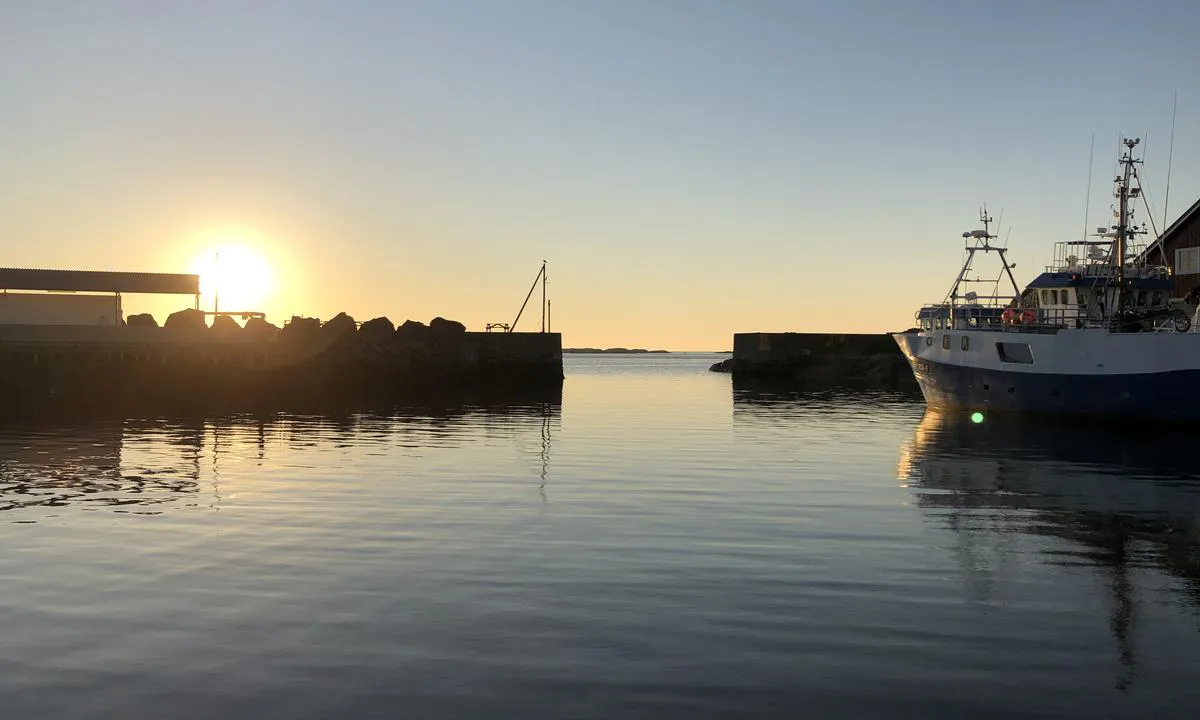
<point>234,277</point>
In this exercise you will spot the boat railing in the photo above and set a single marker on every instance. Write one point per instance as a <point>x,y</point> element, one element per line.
<point>1095,270</point>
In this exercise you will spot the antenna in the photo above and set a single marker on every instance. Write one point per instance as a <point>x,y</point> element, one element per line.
<point>1170,156</point>
<point>1087,203</point>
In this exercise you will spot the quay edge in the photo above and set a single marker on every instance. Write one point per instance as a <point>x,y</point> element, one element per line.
<point>125,366</point>
<point>857,360</point>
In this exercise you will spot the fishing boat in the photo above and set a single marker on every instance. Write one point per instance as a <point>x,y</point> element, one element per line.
<point>1097,333</point>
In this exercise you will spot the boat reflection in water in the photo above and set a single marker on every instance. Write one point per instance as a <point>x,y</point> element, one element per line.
<point>1124,502</point>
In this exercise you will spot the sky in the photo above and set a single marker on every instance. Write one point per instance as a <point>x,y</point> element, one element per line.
<point>688,169</point>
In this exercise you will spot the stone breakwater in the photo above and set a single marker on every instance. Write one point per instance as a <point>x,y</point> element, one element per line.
<point>865,361</point>
<point>188,361</point>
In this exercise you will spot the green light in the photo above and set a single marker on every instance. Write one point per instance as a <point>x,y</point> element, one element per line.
<point>977,417</point>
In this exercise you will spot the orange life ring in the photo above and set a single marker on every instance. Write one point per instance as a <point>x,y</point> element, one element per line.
<point>1028,317</point>
<point>1007,315</point>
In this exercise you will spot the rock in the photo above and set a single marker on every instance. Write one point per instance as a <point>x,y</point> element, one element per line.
<point>725,366</point>
<point>376,329</point>
<point>338,327</point>
<point>190,319</point>
<point>225,324</point>
<point>303,326</point>
<point>260,329</point>
<point>141,320</point>
<point>442,326</point>
<point>412,328</point>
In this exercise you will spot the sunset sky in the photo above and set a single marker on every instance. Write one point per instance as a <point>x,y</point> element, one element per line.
<point>688,168</point>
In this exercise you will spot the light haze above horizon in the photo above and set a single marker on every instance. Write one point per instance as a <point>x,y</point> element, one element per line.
<point>687,168</point>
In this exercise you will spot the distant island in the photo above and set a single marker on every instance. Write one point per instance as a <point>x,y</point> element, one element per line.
<point>615,351</point>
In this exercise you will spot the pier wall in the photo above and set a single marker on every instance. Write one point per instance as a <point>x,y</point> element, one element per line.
<point>821,359</point>
<point>218,366</point>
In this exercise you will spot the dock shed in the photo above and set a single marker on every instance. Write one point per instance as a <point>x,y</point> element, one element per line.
<point>80,297</point>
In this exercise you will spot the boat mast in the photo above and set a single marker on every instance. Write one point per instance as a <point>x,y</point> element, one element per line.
<point>1125,213</point>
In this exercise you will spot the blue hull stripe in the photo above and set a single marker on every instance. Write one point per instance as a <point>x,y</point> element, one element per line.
<point>1164,396</point>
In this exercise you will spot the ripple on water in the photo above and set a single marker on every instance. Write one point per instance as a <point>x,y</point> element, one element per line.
<point>658,544</point>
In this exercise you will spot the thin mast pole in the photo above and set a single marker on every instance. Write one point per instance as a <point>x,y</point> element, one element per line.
<point>1119,245</point>
<point>216,283</point>
<point>529,295</point>
<point>543,296</point>
<point>1170,157</point>
<point>1087,203</point>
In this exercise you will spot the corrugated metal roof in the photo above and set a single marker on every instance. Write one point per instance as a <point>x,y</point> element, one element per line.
<point>98,281</point>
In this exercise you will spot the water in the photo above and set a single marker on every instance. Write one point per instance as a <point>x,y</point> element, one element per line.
<point>659,544</point>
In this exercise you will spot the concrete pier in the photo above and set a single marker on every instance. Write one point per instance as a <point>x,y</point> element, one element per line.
<point>223,367</point>
<point>821,359</point>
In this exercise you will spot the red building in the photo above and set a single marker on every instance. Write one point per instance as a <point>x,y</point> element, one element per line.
<point>1181,250</point>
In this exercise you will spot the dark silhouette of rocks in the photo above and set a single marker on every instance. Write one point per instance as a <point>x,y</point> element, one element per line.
<point>378,329</point>
<point>442,326</point>
<point>300,332</point>
<point>339,327</point>
<point>225,324</point>
<point>304,360</point>
<point>260,329</point>
<point>141,320</point>
<point>302,326</point>
<point>189,319</point>
<point>725,366</point>
<point>412,330</point>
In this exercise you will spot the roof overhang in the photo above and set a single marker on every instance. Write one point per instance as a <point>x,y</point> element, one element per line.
<point>99,281</point>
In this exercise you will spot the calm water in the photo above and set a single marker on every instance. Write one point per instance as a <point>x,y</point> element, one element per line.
<point>660,544</point>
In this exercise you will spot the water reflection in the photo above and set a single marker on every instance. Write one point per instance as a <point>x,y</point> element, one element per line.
<point>762,397</point>
<point>1119,500</point>
<point>141,465</point>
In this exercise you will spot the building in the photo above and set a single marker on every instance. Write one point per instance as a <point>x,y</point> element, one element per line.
<point>1179,247</point>
<point>80,297</point>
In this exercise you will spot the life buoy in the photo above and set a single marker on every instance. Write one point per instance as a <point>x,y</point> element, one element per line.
<point>1028,317</point>
<point>1182,323</point>
<point>1007,316</point>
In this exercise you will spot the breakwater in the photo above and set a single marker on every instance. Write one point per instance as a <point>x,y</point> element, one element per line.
<point>187,362</point>
<point>820,360</point>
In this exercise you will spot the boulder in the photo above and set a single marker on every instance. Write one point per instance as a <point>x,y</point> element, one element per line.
<point>442,326</point>
<point>412,328</point>
<point>725,366</point>
<point>141,320</point>
<point>379,328</point>
<point>260,329</point>
<point>190,319</point>
<point>338,327</point>
<point>301,328</point>
<point>225,324</point>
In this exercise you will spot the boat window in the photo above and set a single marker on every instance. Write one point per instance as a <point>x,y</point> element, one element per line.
<point>929,340</point>
<point>1015,352</point>
<point>1156,298</point>
<point>1141,298</point>
<point>1045,297</point>
<point>966,342</point>
<point>946,342</point>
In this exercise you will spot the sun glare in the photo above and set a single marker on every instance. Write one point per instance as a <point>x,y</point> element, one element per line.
<point>236,276</point>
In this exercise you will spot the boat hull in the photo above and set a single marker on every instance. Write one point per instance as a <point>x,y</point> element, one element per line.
<point>963,382</point>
